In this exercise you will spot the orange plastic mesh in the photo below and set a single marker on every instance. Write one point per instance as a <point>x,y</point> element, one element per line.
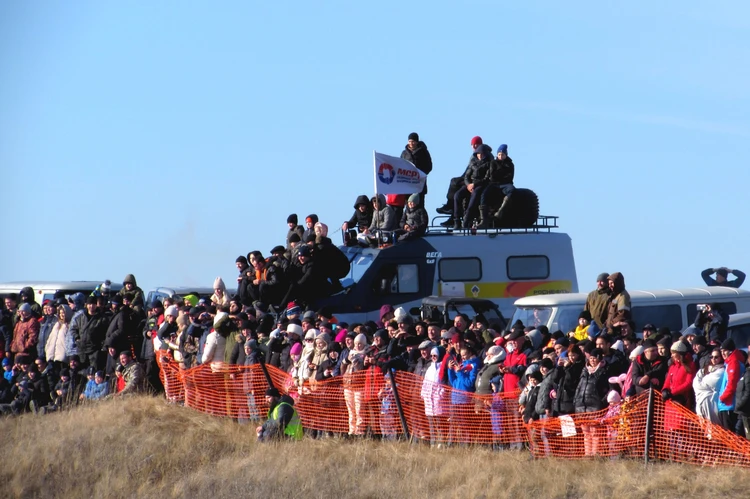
<point>364,404</point>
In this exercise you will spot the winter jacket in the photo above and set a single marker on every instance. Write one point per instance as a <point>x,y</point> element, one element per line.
<point>299,230</point>
<point>618,308</point>
<point>478,172</point>
<point>55,347</point>
<point>567,378</point>
<point>25,336</point>
<point>679,382</point>
<point>591,393</point>
<point>714,329</point>
<point>416,219</point>
<point>463,380</point>
<point>597,303</point>
<point>45,328</point>
<point>501,172</point>
<point>96,391</point>
<point>485,376</point>
<point>89,331</point>
<point>544,402</point>
<point>136,292</point>
<point>655,370</point>
<point>616,362</point>
<point>516,362</point>
<point>213,353</point>
<point>705,387</point>
<point>134,378</point>
<point>384,218</point>
<point>419,157</point>
<point>729,381</point>
<point>359,219</point>
<point>742,402</point>
<point>529,404</point>
<point>122,327</point>
<point>433,391</point>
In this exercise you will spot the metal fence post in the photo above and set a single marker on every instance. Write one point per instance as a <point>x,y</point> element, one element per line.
<point>649,424</point>
<point>400,408</point>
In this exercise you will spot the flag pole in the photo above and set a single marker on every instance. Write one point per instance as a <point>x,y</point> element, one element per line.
<point>375,172</point>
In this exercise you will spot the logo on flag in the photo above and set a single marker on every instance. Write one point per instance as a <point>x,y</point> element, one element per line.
<point>397,176</point>
<point>385,173</point>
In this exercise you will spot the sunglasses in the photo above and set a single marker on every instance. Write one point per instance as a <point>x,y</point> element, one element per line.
<point>716,357</point>
<point>309,341</point>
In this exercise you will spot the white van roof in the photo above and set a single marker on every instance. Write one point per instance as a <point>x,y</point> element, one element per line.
<point>706,293</point>
<point>739,319</point>
<point>61,285</point>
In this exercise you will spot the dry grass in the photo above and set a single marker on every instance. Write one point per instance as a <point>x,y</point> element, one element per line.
<point>143,447</point>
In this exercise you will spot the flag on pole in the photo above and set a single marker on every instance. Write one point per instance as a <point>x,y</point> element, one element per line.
<point>397,176</point>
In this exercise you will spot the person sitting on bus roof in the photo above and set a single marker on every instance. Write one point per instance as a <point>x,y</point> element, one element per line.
<point>457,182</point>
<point>383,220</point>
<point>310,222</point>
<point>500,179</point>
<point>362,217</point>
<point>414,220</point>
<point>291,222</point>
<point>476,181</point>
<point>721,277</point>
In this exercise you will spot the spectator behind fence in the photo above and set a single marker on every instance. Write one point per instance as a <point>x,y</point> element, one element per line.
<point>706,385</point>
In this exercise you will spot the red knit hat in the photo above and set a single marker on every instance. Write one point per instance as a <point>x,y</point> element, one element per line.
<point>476,141</point>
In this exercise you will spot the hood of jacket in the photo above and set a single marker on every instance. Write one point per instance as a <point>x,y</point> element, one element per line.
<point>619,281</point>
<point>535,337</point>
<point>79,300</point>
<point>68,313</point>
<point>129,278</point>
<point>28,292</point>
<point>381,201</point>
<point>385,309</point>
<point>362,199</point>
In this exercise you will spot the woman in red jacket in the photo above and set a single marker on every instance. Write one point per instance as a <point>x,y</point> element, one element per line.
<point>678,390</point>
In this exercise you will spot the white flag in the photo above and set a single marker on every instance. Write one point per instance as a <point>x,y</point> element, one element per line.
<point>397,176</point>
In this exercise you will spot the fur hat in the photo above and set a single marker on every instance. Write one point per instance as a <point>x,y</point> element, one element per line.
<point>294,329</point>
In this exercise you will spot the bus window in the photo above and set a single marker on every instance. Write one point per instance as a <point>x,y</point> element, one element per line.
<point>660,316</point>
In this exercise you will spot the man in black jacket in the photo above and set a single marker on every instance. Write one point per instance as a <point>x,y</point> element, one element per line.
<point>416,152</point>
<point>502,173</point>
<point>458,182</point>
<point>89,330</point>
<point>475,180</point>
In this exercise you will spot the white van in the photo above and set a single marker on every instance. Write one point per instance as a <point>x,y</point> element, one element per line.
<point>673,308</point>
<point>177,292</point>
<point>739,330</point>
<point>45,290</point>
<point>500,265</point>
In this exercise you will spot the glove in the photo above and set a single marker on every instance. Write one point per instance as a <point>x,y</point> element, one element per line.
<point>666,395</point>
<point>275,333</point>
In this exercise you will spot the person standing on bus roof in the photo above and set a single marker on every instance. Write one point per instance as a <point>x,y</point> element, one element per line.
<point>596,301</point>
<point>618,307</point>
<point>721,277</point>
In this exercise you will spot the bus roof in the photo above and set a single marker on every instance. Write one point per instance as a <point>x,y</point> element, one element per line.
<point>706,293</point>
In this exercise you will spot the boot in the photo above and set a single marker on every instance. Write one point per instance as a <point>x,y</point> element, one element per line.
<point>499,212</point>
<point>447,223</point>
<point>467,222</point>
<point>457,223</point>
<point>484,217</point>
<point>446,209</point>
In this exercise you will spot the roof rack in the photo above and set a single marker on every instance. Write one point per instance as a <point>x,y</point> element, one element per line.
<point>544,223</point>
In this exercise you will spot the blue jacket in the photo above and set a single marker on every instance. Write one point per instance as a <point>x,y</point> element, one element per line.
<point>463,379</point>
<point>94,391</point>
<point>44,330</point>
<point>732,373</point>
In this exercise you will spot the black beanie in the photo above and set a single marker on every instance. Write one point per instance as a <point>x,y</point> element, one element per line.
<point>292,219</point>
<point>273,392</point>
<point>414,136</point>
<point>294,238</point>
<point>241,259</point>
<point>728,345</point>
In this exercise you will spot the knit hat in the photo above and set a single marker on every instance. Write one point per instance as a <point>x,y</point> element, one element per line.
<point>310,334</point>
<point>296,349</point>
<point>534,375</point>
<point>220,318</point>
<point>426,344</point>
<point>294,329</point>
<point>547,362</point>
<point>106,286</point>
<point>649,344</point>
<point>294,238</point>
<point>728,345</point>
<point>312,218</point>
<point>585,315</point>
<point>273,392</point>
<point>476,140</point>
<point>219,284</point>
<point>293,309</point>
<point>679,347</point>
<point>304,251</point>
<point>602,277</point>
<point>414,198</point>
<point>502,148</point>
<point>414,136</point>
<point>613,397</point>
<point>25,307</point>
<point>292,219</point>
<point>172,310</point>
<point>340,335</point>
<point>382,334</point>
<point>91,300</point>
<point>251,344</point>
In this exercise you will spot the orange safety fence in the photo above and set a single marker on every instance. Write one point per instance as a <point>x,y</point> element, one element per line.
<point>364,403</point>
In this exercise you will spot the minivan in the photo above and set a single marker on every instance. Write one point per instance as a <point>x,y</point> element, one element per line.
<point>673,308</point>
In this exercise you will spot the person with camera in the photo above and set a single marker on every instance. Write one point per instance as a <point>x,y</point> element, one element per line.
<point>713,321</point>
<point>283,422</point>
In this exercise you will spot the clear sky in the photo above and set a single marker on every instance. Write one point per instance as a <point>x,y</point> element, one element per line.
<point>166,138</point>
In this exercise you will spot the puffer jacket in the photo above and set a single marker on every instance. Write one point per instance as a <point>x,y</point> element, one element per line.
<point>679,382</point>
<point>464,380</point>
<point>544,401</point>
<point>501,172</point>
<point>478,171</point>
<point>729,381</point>
<point>90,331</point>
<point>25,336</point>
<point>419,157</point>
<point>384,218</point>
<point>591,393</point>
<point>567,379</point>
<point>55,348</point>
<point>415,218</point>
<point>361,219</point>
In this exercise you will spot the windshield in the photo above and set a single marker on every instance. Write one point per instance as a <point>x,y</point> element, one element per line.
<point>532,316</point>
<point>359,266</point>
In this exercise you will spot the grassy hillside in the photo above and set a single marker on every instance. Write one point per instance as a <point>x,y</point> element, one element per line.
<point>143,447</point>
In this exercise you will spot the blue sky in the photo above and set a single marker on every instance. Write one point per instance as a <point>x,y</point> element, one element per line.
<point>166,138</point>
